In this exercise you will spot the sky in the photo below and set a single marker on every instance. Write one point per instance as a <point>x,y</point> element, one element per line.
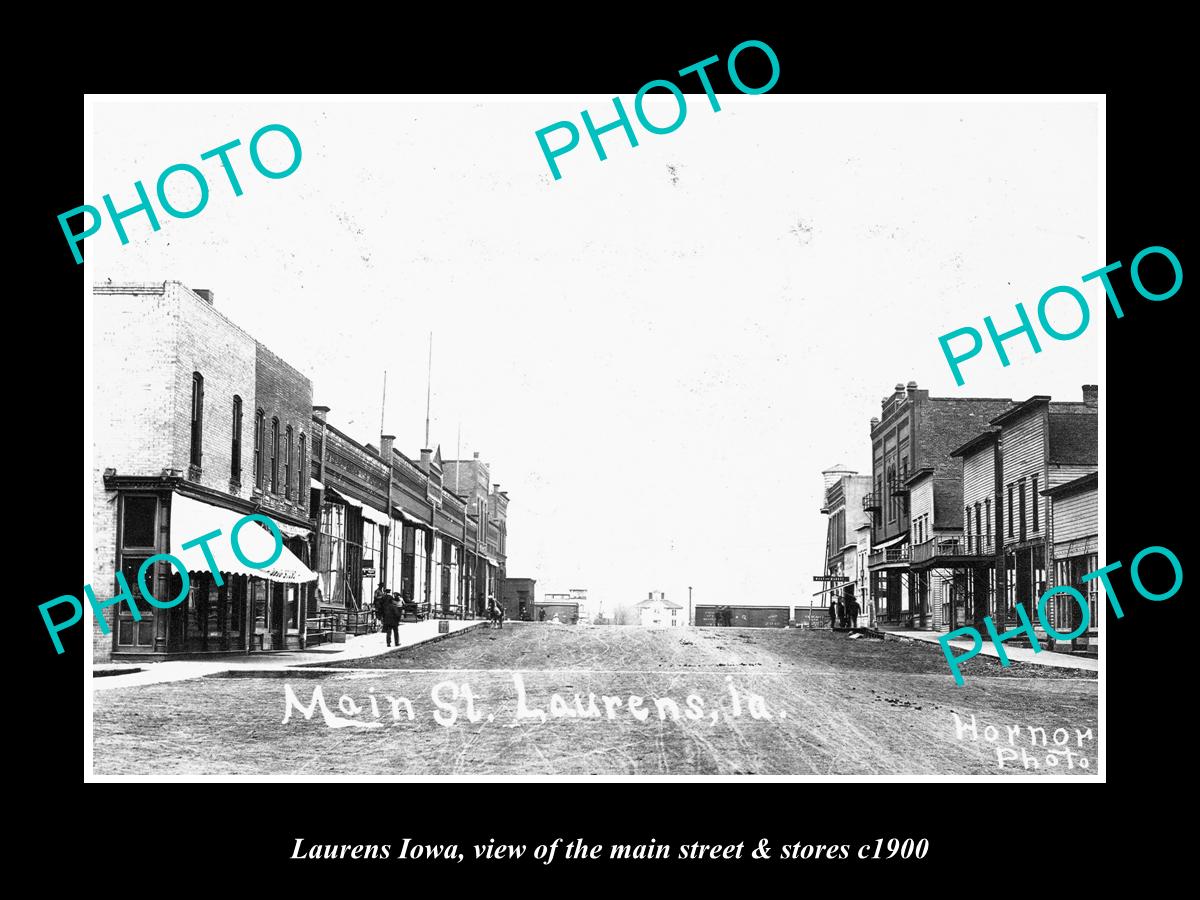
<point>659,353</point>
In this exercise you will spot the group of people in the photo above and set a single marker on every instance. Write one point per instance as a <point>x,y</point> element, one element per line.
<point>723,616</point>
<point>496,616</point>
<point>389,613</point>
<point>843,613</point>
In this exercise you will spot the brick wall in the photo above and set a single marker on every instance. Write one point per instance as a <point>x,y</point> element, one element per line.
<point>944,425</point>
<point>208,343</point>
<point>283,392</point>
<point>149,340</point>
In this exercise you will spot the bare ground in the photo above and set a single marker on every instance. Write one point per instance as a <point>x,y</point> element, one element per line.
<point>826,705</point>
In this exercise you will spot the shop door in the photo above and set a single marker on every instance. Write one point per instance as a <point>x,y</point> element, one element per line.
<point>132,634</point>
<point>893,596</point>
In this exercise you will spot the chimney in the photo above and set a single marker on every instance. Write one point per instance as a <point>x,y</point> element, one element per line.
<point>477,454</point>
<point>1091,394</point>
<point>912,389</point>
<point>874,423</point>
<point>426,459</point>
<point>205,294</point>
<point>320,413</point>
<point>385,447</point>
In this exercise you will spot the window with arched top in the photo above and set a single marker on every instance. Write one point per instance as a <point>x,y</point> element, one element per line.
<point>235,452</point>
<point>287,462</point>
<point>301,471</point>
<point>274,455</point>
<point>195,454</point>
<point>259,442</point>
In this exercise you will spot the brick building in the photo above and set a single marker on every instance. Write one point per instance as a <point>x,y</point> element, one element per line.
<point>910,446</point>
<point>517,596</point>
<point>178,385</point>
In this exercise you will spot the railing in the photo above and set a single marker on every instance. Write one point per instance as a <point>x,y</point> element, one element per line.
<point>871,503</point>
<point>971,545</point>
<point>320,629</point>
<point>889,555</point>
<point>924,551</point>
<point>974,545</point>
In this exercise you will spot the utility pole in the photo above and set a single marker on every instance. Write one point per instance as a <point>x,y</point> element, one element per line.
<point>690,604</point>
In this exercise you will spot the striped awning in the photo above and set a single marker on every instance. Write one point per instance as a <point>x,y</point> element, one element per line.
<point>191,519</point>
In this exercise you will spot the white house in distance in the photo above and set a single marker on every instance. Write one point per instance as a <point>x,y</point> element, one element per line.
<point>657,611</point>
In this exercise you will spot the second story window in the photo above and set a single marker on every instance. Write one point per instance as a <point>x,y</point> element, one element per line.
<point>1022,509</point>
<point>301,472</point>
<point>987,518</point>
<point>1034,497</point>
<point>259,441</point>
<point>274,456</point>
<point>197,418</point>
<point>1010,510</point>
<point>287,463</point>
<point>235,453</point>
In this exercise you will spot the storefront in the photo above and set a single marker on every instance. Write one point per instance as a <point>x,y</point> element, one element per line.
<point>376,528</point>
<point>1025,580</point>
<point>340,551</point>
<point>249,610</point>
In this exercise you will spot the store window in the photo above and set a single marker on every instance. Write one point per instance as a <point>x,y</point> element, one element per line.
<point>372,559</point>
<point>331,558</point>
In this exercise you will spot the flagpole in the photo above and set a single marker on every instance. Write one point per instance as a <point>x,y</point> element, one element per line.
<point>383,404</point>
<point>428,388</point>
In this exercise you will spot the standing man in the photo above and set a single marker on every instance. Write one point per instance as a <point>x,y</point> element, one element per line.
<point>852,611</point>
<point>841,613</point>
<point>391,621</point>
<point>832,613</point>
<point>380,600</point>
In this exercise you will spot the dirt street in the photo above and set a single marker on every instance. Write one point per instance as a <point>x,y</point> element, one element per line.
<point>629,701</point>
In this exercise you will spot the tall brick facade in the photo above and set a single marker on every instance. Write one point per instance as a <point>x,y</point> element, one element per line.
<point>168,369</point>
<point>915,435</point>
